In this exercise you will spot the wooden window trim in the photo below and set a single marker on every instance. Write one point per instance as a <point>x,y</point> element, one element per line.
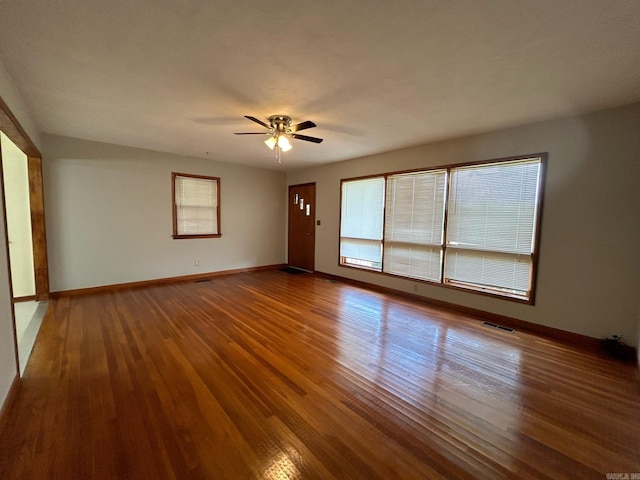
<point>174,208</point>
<point>340,237</point>
<point>543,156</point>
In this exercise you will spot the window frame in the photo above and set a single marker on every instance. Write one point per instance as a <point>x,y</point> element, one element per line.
<point>530,299</point>
<point>340,237</point>
<point>176,235</point>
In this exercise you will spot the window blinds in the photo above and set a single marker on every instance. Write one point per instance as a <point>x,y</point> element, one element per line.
<point>196,206</point>
<point>361,222</point>
<point>491,225</point>
<point>470,226</point>
<point>414,224</point>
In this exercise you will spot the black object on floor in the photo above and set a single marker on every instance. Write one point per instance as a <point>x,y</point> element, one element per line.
<point>292,270</point>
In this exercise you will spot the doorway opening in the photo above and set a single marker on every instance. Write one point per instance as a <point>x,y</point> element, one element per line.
<point>28,311</point>
<point>24,224</point>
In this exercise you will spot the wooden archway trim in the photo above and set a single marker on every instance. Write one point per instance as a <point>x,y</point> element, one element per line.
<point>13,130</point>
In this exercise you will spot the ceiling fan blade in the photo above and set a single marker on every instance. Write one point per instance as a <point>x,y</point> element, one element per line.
<point>254,119</point>
<point>302,126</point>
<point>251,133</point>
<point>307,138</point>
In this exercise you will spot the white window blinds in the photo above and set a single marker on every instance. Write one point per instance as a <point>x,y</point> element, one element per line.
<point>491,225</point>
<point>414,223</point>
<point>361,222</point>
<point>472,227</point>
<point>196,203</point>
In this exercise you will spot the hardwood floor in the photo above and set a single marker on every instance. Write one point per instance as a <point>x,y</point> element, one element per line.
<point>277,376</point>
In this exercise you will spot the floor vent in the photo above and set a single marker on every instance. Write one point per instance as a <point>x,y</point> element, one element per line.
<point>203,280</point>
<point>499,327</point>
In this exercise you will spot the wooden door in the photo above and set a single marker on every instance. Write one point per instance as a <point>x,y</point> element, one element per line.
<point>302,226</point>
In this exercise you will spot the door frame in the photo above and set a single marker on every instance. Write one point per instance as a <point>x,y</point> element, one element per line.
<point>309,184</point>
<point>11,127</point>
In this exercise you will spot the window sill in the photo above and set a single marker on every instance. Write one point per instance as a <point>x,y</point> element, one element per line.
<point>181,237</point>
<point>461,287</point>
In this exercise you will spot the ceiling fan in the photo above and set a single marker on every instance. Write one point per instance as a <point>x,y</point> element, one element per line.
<point>280,129</point>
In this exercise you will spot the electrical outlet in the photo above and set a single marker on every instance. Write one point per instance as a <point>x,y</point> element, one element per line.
<point>196,263</point>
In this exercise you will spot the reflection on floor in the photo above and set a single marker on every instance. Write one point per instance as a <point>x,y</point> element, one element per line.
<point>29,316</point>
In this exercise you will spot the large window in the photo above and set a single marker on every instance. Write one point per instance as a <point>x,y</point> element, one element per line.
<point>196,206</point>
<point>471,226</point>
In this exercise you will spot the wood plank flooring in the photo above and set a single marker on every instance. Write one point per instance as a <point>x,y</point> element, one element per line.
<point>273,376</point>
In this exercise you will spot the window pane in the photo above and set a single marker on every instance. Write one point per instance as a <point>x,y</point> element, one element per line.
<point>369,251</point>
<point>361,222</point>
<point>362,202</point>
<point>196,221</point>
<point>196,192</point>
<point>493,207</point>
<point>501,271</point>
<point>415,261</point>
<point>414,224</point>
<point>415,207</point>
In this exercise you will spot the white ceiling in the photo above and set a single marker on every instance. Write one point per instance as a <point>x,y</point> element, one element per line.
<point>178,75</point>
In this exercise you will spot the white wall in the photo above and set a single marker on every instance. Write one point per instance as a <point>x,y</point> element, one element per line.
<point>8,365</point>
<point>109,217</point>
<point>588,275</point>
<point>16,193</point>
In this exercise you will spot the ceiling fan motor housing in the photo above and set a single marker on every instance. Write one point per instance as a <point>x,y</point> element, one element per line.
<point>280,123</point>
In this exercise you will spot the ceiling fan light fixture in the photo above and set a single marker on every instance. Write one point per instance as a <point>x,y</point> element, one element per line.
<point>271,142</point>
<point>283,143</point>
<point>279,141</point>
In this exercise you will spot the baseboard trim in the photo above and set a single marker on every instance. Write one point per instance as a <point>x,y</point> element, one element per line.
<point>160,281</point>
<point>576,339</point>
<point>571,338</point>
<point>8,401</point>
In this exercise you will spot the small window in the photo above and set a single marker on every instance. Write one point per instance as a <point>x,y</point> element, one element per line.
<point>196,206</point>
